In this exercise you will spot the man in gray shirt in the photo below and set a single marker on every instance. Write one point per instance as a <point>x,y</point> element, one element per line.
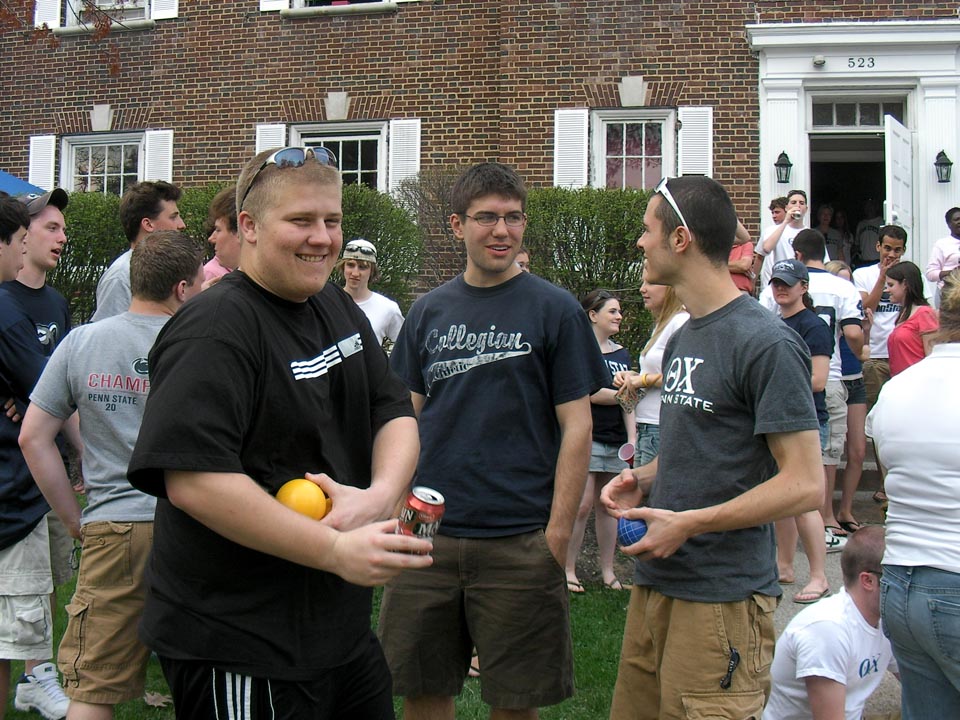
<point>739,448</point>
<point>100,371</point>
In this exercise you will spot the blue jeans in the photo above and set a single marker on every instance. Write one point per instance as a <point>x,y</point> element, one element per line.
<point>648,443</point>
<point>920,607</point>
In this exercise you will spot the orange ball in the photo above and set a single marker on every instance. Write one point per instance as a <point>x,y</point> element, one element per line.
<point>305,497</point>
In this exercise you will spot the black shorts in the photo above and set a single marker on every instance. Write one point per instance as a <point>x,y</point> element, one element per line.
<point>358,690</point>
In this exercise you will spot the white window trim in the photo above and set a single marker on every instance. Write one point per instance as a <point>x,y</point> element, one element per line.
<point>598,118</point>
<point>345,129</point>
<point>295,8</point>
<point>869,95</point>
<point>50,12</point>
<point>69,143</point>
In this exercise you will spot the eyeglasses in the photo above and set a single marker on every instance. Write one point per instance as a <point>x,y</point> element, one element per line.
<point>668,196</point>
<point>362,249</point>
<point>291,157</point>
<point>489,219</point>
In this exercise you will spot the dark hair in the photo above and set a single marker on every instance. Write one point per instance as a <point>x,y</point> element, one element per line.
<point>796,192</point>
<point>894,232</point>
<point>909,274</point>
<point>780,202</point>
<point>160,261</point>
<point>596,299</point>
<point>811,244</point>
<point>143,201</point>
<point>486,179</point>
<point>13,216</point>
<point>708,211</point>
<point>950,213</point>
<point>862,553</point>
<point>224,205</point>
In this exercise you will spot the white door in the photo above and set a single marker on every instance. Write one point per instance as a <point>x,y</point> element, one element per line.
<point>898,146</point>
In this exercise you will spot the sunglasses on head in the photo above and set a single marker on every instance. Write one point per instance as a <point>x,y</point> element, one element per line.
<point>362,249</point>
<point>291,157</point>
<point>664,190</point>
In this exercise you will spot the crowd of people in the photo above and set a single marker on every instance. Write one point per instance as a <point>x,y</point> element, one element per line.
<point>198,390</point>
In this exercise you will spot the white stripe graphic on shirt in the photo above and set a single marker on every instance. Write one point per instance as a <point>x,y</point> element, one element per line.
<point>329,358</point>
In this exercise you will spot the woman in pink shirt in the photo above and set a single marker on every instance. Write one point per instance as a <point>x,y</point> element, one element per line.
<point>910,340</point>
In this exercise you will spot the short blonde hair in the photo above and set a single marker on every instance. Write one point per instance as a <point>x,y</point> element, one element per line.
<point>261,184</point>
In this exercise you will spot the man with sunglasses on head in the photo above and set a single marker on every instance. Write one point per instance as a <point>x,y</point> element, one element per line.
<point>500,365</point>
<point>359,268</point>
<point>257,611</point>
<point>739,449</point>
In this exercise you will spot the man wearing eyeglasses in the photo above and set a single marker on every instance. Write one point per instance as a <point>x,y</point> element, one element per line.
<point>270,375</point>
<point>501,365</point>
<point>833,655</point>
<point>739,449</point>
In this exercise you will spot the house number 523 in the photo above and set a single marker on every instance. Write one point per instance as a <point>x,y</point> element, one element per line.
<point>860,62</point>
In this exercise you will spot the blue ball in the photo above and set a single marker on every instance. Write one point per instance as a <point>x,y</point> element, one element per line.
<point>630,531</point>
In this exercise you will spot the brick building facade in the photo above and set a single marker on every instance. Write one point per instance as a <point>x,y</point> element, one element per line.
<point>582,92</point>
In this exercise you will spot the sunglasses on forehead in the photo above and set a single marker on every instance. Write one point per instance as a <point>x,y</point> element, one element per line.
<point>362,249</point>
<point>664,190</point>
<point>291,157</point>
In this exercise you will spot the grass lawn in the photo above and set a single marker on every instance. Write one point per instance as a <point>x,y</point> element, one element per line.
<point>597,618</point>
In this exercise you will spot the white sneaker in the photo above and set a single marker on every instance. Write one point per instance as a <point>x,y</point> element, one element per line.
<point>835,543</point>
<point>41,692</point>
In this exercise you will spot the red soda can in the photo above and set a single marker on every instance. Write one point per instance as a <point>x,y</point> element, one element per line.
<point>421,513</point>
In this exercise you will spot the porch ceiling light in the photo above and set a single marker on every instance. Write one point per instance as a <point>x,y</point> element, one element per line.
<point>943,166</point>
<point>783,167</point>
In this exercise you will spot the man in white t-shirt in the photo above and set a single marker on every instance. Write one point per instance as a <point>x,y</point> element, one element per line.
<point>833,655</point>
<point>777,243</point>
<point>359,268</point>
<point>870,282</point>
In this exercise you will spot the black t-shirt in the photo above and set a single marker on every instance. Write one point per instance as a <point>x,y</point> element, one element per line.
<point>245,382</point>
<point>819,340</point>
<point>608,419</point>
<point>493,364</point>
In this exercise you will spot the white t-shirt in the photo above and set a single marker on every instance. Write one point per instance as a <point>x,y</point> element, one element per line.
<point>914,424</point>
<point>836,301</point>
<point>648,409</point>
<point>884,317</point>
<point>829,639</point>
<point>384,316</point>
<point>783,250</point>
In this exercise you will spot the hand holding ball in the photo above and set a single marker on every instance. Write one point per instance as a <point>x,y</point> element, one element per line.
<point>305,497</point>
<point>630,531</point>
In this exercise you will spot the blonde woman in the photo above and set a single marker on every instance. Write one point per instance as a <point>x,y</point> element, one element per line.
<point>669,316</point>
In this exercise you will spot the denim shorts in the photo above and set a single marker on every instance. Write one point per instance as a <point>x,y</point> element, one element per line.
<point>856,391</point>
<point>648,443</point>
<point>604,459</point>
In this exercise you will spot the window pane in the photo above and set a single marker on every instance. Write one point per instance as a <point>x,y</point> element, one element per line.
<point>128,180</point>
<point>634,145</point>
<point>114,158</point>
<point>368,154</point>
<point>823,114</point>
<point>654,140</point>
<point>633,177</point>
<point>653,172</point>
<point>614,139</point>
<point>869,113</point>
<point>350,178</point>
<point>131,158</point>
<point>113,184</point>
<point>615,173</point>
<point>81,161</point>
<point>894,109</point>
<point>96,185</point>
<point>846,113</point>
<point>351,156</point>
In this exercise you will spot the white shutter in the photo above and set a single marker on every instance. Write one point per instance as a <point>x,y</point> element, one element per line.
<point>164,9</point>
<point>570,148</point>
<point>268,5</point>
<point>404,151</point>
<point>47,11</point>
<point>270,136</point>
<point>158,155</point>
<point>43,148</point>
<point>695,141</point>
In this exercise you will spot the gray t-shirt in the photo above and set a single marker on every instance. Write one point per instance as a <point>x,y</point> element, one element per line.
<point>100,370</point>
<point>113,290</point>
<point>729,378</point>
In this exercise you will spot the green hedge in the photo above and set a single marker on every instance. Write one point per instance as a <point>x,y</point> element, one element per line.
<point>95,238</point>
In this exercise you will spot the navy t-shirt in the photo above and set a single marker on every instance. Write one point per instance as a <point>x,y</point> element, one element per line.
<point>493,363</point>
<point>819,340</point>
<point>608,425</point>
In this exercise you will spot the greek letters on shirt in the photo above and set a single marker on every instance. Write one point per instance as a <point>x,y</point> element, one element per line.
<point>869,665</point>
<point>475,348</point>
<point>114,389</point>
<point>679,387</point>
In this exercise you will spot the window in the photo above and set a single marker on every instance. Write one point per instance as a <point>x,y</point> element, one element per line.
<point>106,166</point>
<point>632,148</point>
<point>287,5</point>
<point>70,15</point>
<point>119,10</point>
<point>358,155</point>
<point>851,113</point>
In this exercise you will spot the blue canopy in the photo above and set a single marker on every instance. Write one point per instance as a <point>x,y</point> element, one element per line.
<point>15,186</point>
